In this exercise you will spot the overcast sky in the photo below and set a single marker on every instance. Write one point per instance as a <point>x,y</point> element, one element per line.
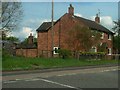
<point>35,13</point>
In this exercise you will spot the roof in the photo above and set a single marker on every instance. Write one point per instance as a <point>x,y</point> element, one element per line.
<point>91,24</point>
<point>44,27</point>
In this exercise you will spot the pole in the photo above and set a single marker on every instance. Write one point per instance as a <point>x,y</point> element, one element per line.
<point>52,32</point>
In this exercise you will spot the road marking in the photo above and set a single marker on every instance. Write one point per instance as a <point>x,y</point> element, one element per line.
<point>68,86</point>
<point>67,74</point>
<point>18,79</point>
<point>32,79</point>
<point>9,81</point>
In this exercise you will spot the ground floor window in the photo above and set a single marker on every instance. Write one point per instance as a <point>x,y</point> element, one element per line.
<point>93,49</point>
<point>109,51</point>
<point>55,50</point>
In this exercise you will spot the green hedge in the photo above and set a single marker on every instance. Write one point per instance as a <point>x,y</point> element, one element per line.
<point>92,53</point>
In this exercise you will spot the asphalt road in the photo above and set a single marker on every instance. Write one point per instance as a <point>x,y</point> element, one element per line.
<point>104,77</point>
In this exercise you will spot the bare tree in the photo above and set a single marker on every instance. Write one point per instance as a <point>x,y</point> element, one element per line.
<point>11,13</point>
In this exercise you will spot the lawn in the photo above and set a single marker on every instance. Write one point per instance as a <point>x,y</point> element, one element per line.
<point>22,63</point>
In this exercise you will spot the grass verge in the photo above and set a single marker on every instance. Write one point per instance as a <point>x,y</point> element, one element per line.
<point>22,63</point>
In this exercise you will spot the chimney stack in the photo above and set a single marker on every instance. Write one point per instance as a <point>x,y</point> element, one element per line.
<point>97,19</point>
<point>30,39</point>
<point>71,10</point>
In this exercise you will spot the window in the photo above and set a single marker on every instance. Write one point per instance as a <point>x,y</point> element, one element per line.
<point>55,50</point>
<point>109,51</point>
<point>109,37</point>
<point>93,49</point>
<point>102,37</point>
<point>101,44</point>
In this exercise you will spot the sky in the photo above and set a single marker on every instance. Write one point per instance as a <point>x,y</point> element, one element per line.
<point>35,13</point>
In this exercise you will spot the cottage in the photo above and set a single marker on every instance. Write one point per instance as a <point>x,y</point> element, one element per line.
<point>60,29</point>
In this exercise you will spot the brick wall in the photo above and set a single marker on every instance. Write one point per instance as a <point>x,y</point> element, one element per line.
<point>26,52</point>
<point>109,42</point>
<point>42,41</point>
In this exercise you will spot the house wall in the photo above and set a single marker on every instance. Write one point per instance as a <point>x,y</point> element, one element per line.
<point>42,42</point>
<point>109,42</point>
<point>60,29</point>
<point>26,52</point>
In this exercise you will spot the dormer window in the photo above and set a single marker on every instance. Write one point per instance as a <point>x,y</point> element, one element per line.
<point>109,37</point>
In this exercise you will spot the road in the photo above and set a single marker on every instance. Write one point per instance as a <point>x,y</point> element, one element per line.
<point>102,77</point>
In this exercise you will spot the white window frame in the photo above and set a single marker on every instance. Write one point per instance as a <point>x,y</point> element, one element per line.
<point>109,51</point>
<point>95,49</point>
<point>109,36</point>
<point>54,50</point>
<point>102,37</point>
<point>101,44</point>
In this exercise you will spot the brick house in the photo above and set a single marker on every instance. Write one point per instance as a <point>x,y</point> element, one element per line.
<point>60,29</point>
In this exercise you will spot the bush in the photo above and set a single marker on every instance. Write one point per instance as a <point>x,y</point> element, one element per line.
<point>92,55</point>
<point>64,53</point>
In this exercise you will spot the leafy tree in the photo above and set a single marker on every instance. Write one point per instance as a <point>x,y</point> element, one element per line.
<point>116,42</point>
<point>82,38</point>
<point>116,28</point>
<point>25,41</point>
<point>12,39</point>
<point>102,48</point>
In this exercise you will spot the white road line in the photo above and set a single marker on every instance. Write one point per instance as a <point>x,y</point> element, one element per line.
<point>57,83</point>
<point>67,74</point>
<point>32,79</point>
<point>9,81</point>
<point>18,79</point>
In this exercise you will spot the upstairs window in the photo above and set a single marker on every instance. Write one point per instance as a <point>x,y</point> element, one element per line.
<point>102,37</point>
<point>109,37</point>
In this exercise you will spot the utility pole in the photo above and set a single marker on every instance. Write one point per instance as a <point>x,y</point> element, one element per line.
<point>52,32</point>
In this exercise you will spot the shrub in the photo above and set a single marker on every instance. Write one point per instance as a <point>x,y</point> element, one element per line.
<point>64,53</point>
<point>92,55</point>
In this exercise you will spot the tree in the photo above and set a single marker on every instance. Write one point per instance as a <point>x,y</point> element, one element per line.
<point>12,39</point>
<point>11,13</point>
<point>116,42</point>
<point>82,39</point>
<point>116,28</point>
<point>25,41</point>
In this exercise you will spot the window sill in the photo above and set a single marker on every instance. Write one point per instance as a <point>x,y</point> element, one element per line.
<point>109,39</point>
